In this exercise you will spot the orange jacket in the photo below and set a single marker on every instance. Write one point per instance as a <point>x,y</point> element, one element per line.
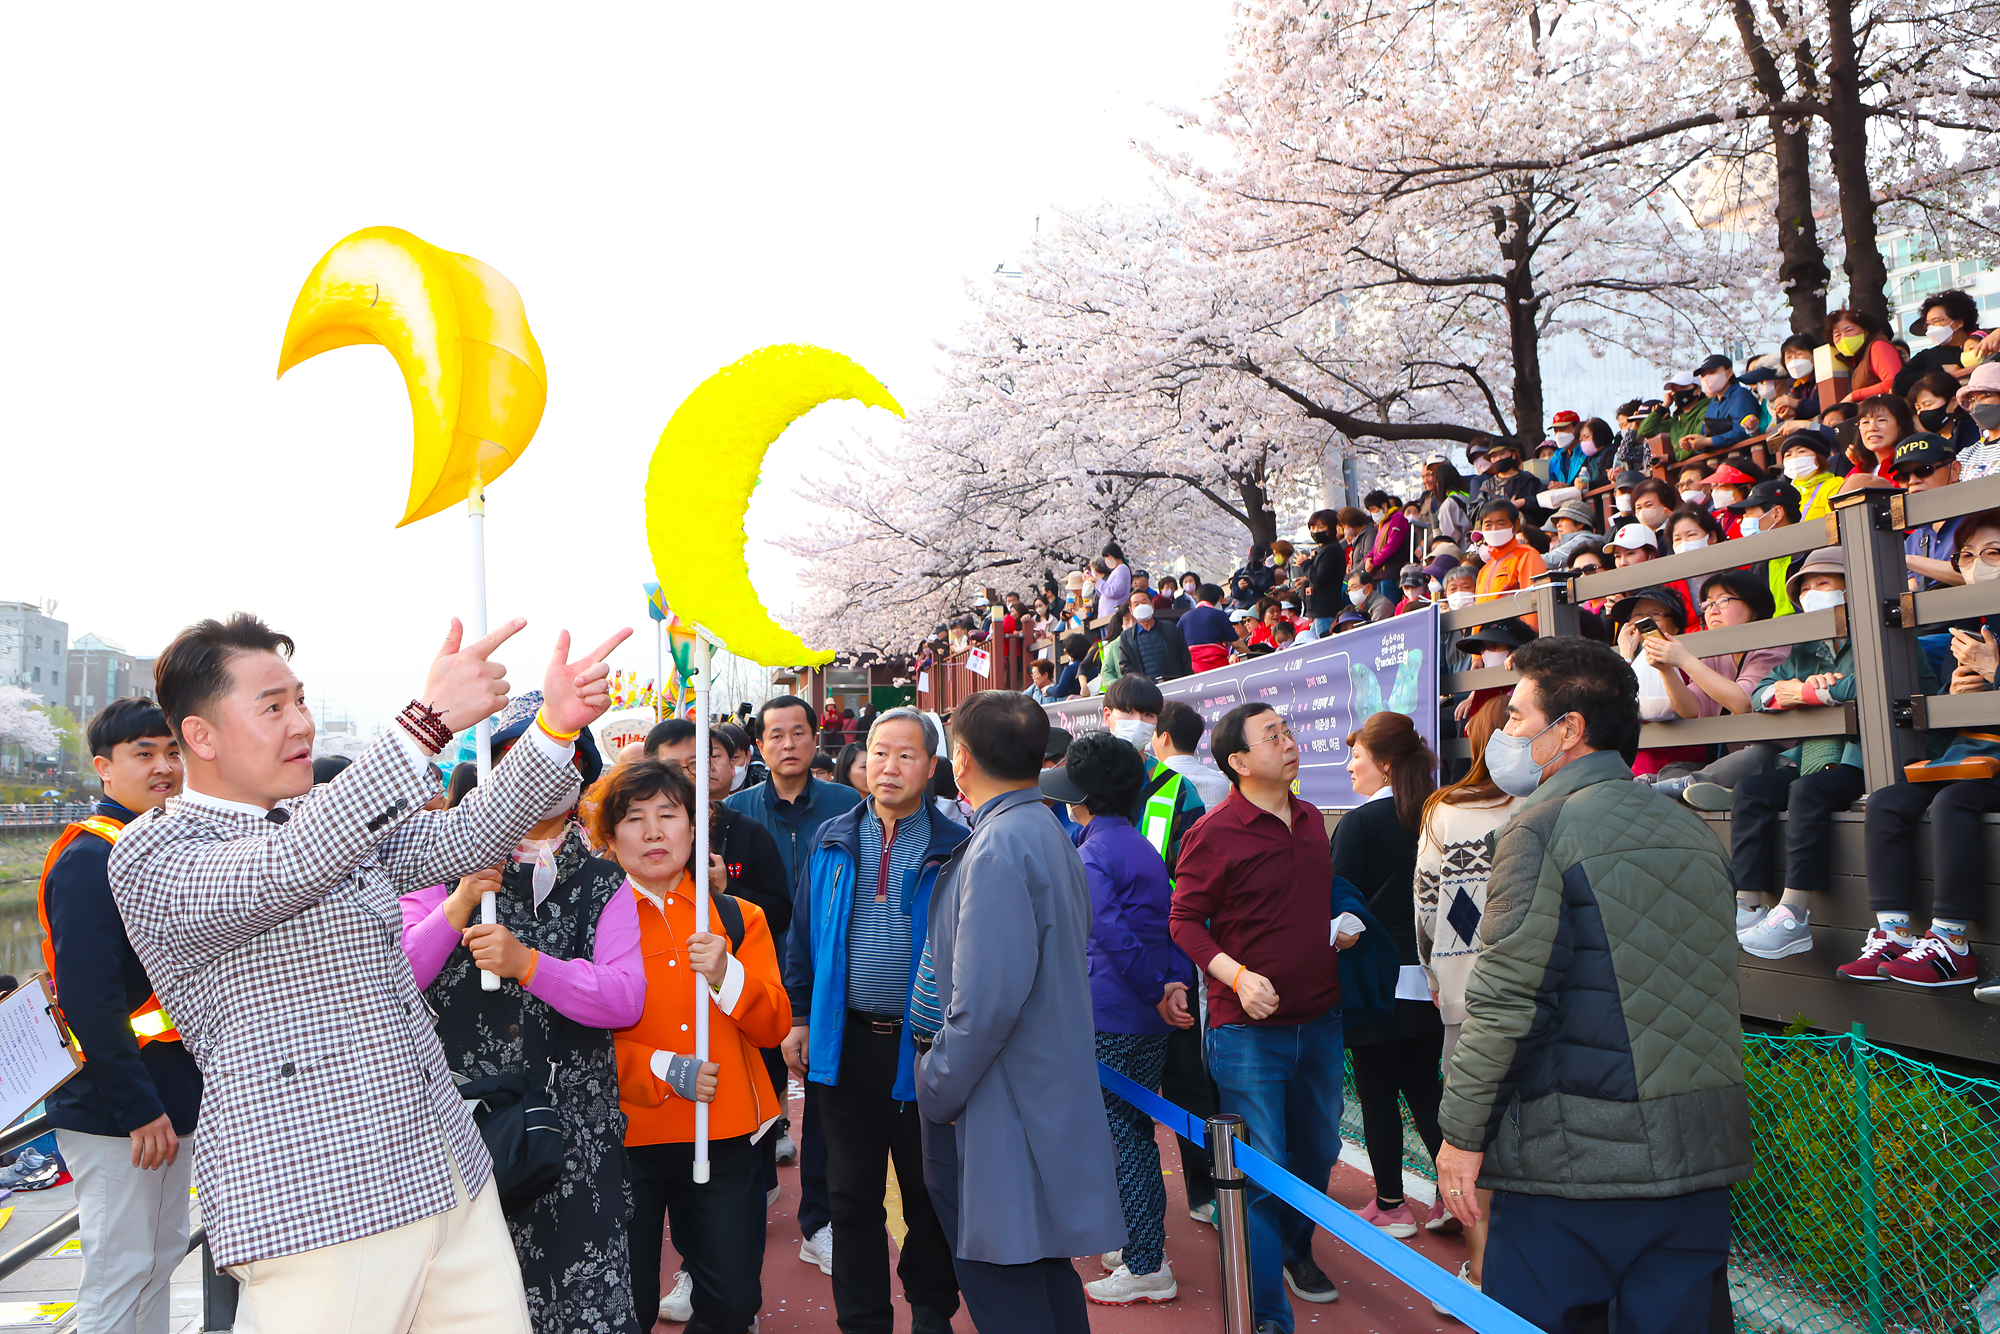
<point>760,1017</point>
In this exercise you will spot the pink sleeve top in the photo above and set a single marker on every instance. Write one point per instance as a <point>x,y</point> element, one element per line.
<point>607,990</point>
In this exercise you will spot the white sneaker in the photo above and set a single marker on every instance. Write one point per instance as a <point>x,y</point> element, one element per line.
<point>1465,1275</point>
<point>787,1151</point>
<point>1111,1259</point>
<point>1749,917</point>
<point>678,1305</point>
<point>818,1249</point>
<point>1782,933</point>
<point>1122,1287</point>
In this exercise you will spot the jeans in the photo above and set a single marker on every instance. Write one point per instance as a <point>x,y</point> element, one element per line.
<point>1958,841</point>
<point>1322,625</point>
<point>1284,1080</point>
<point>1812,801</point>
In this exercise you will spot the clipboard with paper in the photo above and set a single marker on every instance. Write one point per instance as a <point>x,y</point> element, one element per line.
<point>36,1056</point>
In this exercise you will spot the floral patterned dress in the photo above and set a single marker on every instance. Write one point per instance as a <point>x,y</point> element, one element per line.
<point>571,1242</point>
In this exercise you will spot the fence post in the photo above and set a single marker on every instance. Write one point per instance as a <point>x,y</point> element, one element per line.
<point>1864,1136</point>
<point>1876,579</point>
<point>1232,1222</point>
<point>1555,610</point>
<point>218,1295</point>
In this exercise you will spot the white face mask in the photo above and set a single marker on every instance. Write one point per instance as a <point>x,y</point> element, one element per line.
<point>1939,334</point>
<point>1984,573</point>
<point>1624,503</point>
<point>1692,497</point>
<point>1437,588</point>
<point>1358,596</point>
<point>1821,599</point>
<point>1493,657</point>
<point>1723,499</point>
<point>1767,390</point>
<point>1800,367</point>
<point>1460,600</point>
<point>742,771</point>
<point>1565,438</point>
<point>1713,382</point>
<point>1690,544</point>
<point>1801,465</point>
<point>1497,538</point>
<point>1135,730</point>
<point>1143,612</point>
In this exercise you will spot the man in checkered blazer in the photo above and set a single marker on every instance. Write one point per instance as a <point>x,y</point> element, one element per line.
<point>340,1175</point>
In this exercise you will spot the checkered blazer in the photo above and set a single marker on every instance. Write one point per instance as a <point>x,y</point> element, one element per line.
<point>277,950</point>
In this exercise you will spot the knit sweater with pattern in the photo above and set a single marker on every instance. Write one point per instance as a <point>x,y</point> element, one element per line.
<point>1453,862</point>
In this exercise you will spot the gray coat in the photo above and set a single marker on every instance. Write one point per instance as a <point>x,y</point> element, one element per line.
<point>1015,1068</point>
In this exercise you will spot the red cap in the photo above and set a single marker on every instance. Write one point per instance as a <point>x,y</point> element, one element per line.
<point>1565,419</point>
<point>1728,476</point>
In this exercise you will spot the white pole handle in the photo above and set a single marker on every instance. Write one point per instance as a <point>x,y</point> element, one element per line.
<point>482,733</point>
<point>701,890</point>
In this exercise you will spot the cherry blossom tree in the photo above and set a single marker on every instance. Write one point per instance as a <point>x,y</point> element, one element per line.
<point>23,724</point>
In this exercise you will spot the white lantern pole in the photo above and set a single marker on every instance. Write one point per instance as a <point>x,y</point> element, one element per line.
<point>482,732</point>
<point>700,663</point>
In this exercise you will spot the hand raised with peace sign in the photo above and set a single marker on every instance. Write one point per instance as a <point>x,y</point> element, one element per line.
<point>576,694</point>
<point>465,685</point>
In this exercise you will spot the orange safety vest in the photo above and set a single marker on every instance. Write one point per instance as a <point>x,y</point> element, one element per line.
<point>150,1022</point>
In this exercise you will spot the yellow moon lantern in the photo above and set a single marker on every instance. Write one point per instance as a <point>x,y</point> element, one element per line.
<point>458,331</point>
<point>703,471</point>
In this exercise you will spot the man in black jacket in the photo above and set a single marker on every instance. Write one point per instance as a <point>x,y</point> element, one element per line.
<point>1152,647</point>
<point>120,1119</point>
<point>1327,575</point>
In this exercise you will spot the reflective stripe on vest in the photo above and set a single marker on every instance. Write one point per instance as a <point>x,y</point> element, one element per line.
<point>1156,822</point>
<point>150,1022</point>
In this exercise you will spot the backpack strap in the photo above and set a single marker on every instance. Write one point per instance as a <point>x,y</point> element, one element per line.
<point>731,913</point>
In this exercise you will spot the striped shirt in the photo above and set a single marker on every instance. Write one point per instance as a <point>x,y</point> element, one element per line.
<point>878,928</point>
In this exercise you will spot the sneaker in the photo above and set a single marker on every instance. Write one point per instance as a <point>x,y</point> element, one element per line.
<point>1708,797</point>
<point>31,1170</point>
<point>1203,1213</point>
<point>818,1249</point>
<point>771,1196</point>
<point>678,1305</point>
<point>1781,934</point>
<point>1988,994</point>
<point>1397,1222</point>
<point>1881,947</point>
<point>1932,962</point>
<point>788,1152</point>
<point>1465,1276</point>
<point>1111,1260</point>
<point>1122,1287</point>
<point>1308,1283</point>
<point>929,1320</point>
<point>1749,917</point>
<point>1442,1219</point>
<point>1673,787</point>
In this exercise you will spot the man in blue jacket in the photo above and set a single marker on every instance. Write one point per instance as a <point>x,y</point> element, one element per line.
<point>120,1119</point>
<point>793,805</point>
<point>856,936</point>
<point>1733,415</point>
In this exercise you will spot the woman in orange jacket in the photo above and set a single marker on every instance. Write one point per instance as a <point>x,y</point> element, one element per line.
<point>643,818</point>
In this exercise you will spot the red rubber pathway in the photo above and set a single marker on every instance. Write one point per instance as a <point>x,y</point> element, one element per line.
<point>797,1297</point>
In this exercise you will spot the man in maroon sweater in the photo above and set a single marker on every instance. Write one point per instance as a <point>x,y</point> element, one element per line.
<point>1252,907</point>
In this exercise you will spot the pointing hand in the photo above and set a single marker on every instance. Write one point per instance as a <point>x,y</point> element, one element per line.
<point>465,685</point>
<point>576,694</point>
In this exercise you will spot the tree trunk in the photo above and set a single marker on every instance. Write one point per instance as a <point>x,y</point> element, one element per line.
<point>1263,519</point>
<point>1847,124</point>
<point>1802,262</point>
<point>1523,336</point>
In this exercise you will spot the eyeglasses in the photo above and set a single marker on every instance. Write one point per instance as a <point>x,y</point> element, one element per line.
<point>1717,604</point>
<point>1581,568</point>
<point>1283,733</point>
<point>1985,555</point>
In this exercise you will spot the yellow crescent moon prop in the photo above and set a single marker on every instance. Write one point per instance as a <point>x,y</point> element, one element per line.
<point>458,331</point>
<point>703,471</point>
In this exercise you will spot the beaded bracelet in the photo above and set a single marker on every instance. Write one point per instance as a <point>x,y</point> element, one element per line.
<point>425,726</point>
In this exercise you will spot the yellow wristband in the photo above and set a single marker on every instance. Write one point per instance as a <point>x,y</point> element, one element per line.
<point>542,721</point>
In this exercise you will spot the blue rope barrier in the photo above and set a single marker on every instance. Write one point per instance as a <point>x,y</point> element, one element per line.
<point>1473,1308</point>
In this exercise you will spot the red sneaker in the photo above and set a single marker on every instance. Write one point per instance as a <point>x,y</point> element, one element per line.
<point>1933,963</point>
<point>1881,948</point>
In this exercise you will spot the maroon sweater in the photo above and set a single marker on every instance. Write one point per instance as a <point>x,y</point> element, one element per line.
<point>1248,887</point>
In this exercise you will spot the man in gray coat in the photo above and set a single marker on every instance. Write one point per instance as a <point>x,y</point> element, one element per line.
<point>1014,1125</point>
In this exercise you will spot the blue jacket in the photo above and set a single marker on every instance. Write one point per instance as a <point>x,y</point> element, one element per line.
<point>1130,954</point>
<point>796,836</point>
<point>1742,409</point>
<point>816,951</point>
<point>1565,464</point>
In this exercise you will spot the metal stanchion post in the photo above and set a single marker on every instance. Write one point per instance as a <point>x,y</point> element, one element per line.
<point>218,1295</point>
<point>1232,1222</point>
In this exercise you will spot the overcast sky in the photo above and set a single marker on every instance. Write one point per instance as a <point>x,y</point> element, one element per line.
<point>669,186</point>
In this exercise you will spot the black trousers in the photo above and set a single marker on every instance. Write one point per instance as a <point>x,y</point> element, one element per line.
<point>1186,1084</point>
<point>1811,801</point>
<point>865,1128</point>
<point>1382,1071</point>
<point>1559,1263</point>
<point>814,1210</point>
<point>718,1230</point>
<point>1043,1297</point>
<point>1957,843</point>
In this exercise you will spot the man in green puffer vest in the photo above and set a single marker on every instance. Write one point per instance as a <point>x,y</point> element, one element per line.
<point>1597,1086</point>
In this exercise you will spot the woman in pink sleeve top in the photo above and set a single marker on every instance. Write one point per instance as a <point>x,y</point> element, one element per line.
<point>567,946</point>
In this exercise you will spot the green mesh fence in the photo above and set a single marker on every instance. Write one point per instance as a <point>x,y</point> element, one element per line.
<point>1847,1131</point>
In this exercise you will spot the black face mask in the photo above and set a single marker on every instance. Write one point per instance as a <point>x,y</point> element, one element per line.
<point>1505,465</point>
<point>1933,419</point>
<point>1322,535</point>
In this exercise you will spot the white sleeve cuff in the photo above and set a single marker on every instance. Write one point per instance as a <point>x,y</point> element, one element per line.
<point>559,751</point>
<point>419,757</point>
<point>662,1062</point>
<point>731,990</point>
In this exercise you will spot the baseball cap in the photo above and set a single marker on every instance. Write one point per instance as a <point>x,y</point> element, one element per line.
<point>1760,375</point>
<point>1776,491</point>
<point>1508,634</point>
<point>1922,448</point>
<point>1096,763</point>
<point>1478,449</point>
<point>1684,380</point>
<point>1565,418</point>
<point>1628,479</point>
<point>1634,536</point>
<point>1715,362</point>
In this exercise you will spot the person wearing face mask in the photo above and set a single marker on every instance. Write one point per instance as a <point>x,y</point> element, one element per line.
<point>1802,458</point>
<point>1679,415</point>
<point>1797,403</point>
<point>1690,528</point>
<point>1732,414</point>
<point>1931,398</point>
<point>1414,585</point>
<point>1484,646</point>
<point>1727,485</point>
<point>1946,323</point>
<point>1510,563</point>
<point>1630,454</point>
<point>1766,383</point>
<point>1168,805</point>
<point>1567,461</point>
<point>568,942</point>
<point>1771,505</point>
<point>1446,504</point>
<point>1980,400</point>
<point>1548,1112</point>
<point>1460,587</point>
<point>1821,776</point>
<point>1924,463</point>
<point>1391,546</point>
<point>1514,484</point>
<point>1862,341</point>
<point>1621,494</point>
<point>1365,596</point>
<point>1151,646</point>
<point>1326,577</point>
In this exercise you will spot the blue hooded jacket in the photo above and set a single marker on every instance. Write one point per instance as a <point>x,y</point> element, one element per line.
<point>816,950</point>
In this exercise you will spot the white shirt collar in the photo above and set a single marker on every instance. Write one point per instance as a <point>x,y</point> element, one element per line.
<point>1383,791</point>
<point>222,804</point>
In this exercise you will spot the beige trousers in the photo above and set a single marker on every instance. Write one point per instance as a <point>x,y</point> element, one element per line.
<point>452,1273</point>
<point>134,1226</point>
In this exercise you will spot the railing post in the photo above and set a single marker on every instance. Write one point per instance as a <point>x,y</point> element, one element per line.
<point>1864,1136</point>
<point>1555,610</point>
<point>1232,1222</point>
<point>1876,579</point>
<point>218,1295</point>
